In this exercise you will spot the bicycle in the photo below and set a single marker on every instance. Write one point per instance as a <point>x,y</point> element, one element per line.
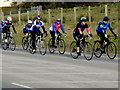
<point>9,42</point>
<point>40,44</point>
<point>85,48</point>
<point>59,43</point>
<point>109,48</point>
<point>26,42</point>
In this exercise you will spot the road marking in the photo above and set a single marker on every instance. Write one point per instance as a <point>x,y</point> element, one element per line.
<point>23,86</point>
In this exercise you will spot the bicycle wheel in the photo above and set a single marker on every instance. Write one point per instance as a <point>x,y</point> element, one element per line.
<point>31,47</point>
<point>4,44</point>
<point>61,46</point>
<point>97,52</point>
<point>111,50</point>
<point>50,46</point>
<point>12,44</point>
<point>25,43</point>
<point>42,47</point>
<point>73,50</point>
<point>88,51</point>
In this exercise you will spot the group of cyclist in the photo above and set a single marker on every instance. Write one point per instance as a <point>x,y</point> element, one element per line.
<point>34,26</point>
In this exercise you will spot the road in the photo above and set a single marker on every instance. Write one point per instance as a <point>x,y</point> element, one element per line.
<point>20,69</point>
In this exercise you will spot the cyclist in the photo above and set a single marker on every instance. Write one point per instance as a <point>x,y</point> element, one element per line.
<point>27,29</point>
<point>37,23</point>
<point>101,31</point>
<point>7,26</point>
<point>54,30</point>
<point>78,32</point>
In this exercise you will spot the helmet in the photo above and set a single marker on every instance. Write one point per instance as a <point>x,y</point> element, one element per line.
<point>39,17</point>
<point>58,19</point>
<point>3,21</point>
<point>29,21</point>
<point>83,19</point>
<point>106,18</point>
<point>9,18</point>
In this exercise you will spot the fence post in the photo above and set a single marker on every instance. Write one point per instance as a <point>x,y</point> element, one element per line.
<point>75,13</point>
<point>49,16</point>
<point>28,15</point>
<point>2,15</point>
<point>61,15</point>
<point>19,16</point>
<point>38,11</point>
<point>10,13</point>
<point>89,13</point>
<point>106,10</point>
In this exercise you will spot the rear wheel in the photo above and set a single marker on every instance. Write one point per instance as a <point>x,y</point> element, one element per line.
<point>50,46</point>
<point>4,44</point>
<point>97,51</point>
<point>88,51</point>
<point>42,47</point>
<point>73,50</point>
<point>61,46</point>
<point>12,44</point>
<point>111,50</point>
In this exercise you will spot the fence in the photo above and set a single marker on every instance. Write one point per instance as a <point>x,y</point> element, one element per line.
<point>38,11</point>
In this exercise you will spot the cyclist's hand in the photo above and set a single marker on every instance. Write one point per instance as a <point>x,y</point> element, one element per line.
<point>106,36</point>
<point>65,34</point>
<point>56,35</point>
<point>115,36</point>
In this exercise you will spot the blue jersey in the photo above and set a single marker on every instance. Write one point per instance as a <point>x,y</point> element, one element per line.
<point>103,27</point>
<point>27,28</point>
<point>37,25</point>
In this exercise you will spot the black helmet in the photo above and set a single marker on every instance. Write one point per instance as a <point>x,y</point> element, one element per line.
<point>83,19</point>
<point>39,17</point>
<point>106,18</point>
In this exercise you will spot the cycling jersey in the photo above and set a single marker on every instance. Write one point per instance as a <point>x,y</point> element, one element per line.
<point>27,28</point>
<point>7,26</point>
<point>55,27</point>
<point>102,27</point>
<point>81,27</point>
<point>36,25</point>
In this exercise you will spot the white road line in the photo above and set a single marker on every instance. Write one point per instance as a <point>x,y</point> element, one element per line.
<point>23,86</point>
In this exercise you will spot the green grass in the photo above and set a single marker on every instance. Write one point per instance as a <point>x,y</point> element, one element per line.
<point>97,14</point>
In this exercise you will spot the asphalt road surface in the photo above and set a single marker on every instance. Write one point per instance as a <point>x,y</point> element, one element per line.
<point>20,69</point>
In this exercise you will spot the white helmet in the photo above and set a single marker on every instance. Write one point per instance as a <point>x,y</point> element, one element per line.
<point>29,21</point>
<point>9,18</point>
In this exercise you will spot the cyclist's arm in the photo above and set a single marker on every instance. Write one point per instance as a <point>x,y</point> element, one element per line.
<point>62,28</point>
<point>79,29</point>
<point>54,28</point>
<point>43,29</point>
<point>14,29</point>
<point>111,29</point>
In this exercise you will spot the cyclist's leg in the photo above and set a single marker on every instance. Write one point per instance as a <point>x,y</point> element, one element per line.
<point>39,33</point>
<point>53,37</point>
<point>77,42</point>
<point>102,38</point>
<point>33,37</point>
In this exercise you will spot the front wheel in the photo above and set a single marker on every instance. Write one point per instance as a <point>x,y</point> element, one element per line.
<point>88,51</point>
<point>111,50</point>
<point>73,50</point>
<point>96,49</point>
<point>12,44</point>
<point>42,46</point>
<point>25,43</point>
<point>61,46</point>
